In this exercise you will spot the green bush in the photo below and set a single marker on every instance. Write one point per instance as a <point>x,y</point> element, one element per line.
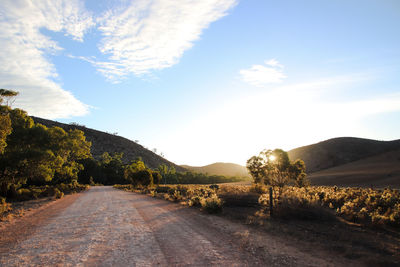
<point>142,177</point>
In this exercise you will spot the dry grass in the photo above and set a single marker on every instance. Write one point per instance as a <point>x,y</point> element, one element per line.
<point>378,171</point>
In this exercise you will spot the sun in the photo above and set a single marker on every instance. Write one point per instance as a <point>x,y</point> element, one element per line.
<point>272,158</point>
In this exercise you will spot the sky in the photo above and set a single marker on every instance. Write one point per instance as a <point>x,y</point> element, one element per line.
<point>208,81</point>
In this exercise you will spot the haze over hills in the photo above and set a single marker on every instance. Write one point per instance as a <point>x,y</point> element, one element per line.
<point>105,142</point>
<point>220,168</point>
<point>339,151</point>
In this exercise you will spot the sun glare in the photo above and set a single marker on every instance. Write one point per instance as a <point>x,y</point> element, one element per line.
<point>272,158</point>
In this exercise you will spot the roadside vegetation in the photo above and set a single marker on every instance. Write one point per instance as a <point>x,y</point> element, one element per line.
<point>36,161</point>
<point>292,197</point>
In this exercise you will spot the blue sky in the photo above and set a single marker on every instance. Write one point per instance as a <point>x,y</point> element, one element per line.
<point>212,80</point>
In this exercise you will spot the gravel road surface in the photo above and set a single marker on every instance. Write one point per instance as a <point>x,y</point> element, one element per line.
<point>108,227</point>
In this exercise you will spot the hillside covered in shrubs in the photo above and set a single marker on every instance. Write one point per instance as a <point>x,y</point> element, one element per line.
<point>113,144</point>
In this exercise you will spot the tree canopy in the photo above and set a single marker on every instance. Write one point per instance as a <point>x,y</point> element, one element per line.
<point>8,95</point>
<point>35,154</point>
<point>273,167</point>
<point>5,121</point>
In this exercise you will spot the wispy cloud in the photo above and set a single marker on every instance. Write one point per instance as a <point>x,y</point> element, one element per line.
<point>138,37</point>
<point>25,66</point>
<point>260,75</point>
<point>151,35</point>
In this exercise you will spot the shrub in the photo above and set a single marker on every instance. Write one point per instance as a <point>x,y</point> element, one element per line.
<point>212,204</point>
<point>4,206</point>
<point>303,209</point>
<point>367,206</point>
<point>214,186</point>
<point>153,193</point>
<point>126,187</point>
<point>58,194</point>
<point>162,189</point>
<point>177,196</point>
<point>24,194</point>
<point>195,201</point>
<point>182,190</point>
<point>47,191</point>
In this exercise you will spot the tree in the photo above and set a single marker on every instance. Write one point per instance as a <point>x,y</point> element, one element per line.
<point>167,173</point>
<point>156,177</point>
<point>255,166</point>
<point>9,95</point>
<point>5,130</point>
<point>131,172</point>
<point>91,172</point>
<point>142,177</point>
<point>5,121</point>
<point>298,172</point>
<point>71,147</point>
<point>23,159</point>
<point>273,167</point>
<point>36,154</point>
<point>112,169</point>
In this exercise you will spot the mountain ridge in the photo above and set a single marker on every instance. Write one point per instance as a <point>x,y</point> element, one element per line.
<point>341,150</point>
<point>106,142</point>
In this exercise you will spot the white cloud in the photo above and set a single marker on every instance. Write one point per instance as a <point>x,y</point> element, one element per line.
<point>260,75</point>
<point>24,66</point>
<point>152,35</point>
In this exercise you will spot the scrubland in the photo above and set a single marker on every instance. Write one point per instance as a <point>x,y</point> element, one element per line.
<point>369,207</point>
<point>356,223</point>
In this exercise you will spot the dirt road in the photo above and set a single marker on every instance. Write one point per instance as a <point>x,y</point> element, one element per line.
<point>109,227</point>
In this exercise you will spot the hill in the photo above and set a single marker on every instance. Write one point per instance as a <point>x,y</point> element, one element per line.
<point>105,142</point>
<point>338,151</point>
<point>220,168</point>
<point>379,171</point>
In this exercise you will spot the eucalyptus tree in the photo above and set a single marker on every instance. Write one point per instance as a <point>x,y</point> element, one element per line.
<point>273,167</point>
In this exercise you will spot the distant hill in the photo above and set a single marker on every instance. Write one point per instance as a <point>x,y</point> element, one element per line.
<point>105,142</point>
<point>338,151</point>
<point>379,171</point>
<point>220,168</point>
